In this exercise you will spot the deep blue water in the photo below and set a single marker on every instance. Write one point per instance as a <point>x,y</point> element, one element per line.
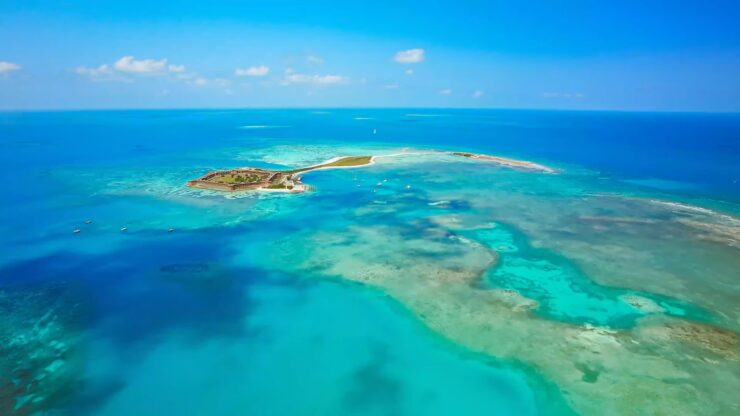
<point>701,151</point>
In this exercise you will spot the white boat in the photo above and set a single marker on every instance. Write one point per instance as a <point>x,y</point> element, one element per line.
<point>76,231</point>
<point>124,229</point>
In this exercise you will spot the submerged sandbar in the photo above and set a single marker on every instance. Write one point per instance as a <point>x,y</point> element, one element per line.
<point>512,163</point>
<point>249,178</point>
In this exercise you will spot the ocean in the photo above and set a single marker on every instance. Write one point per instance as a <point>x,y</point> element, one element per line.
<point>422,284</point>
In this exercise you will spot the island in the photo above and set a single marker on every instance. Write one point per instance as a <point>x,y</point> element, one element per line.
<point>249,178</point>
<point>242,179</point>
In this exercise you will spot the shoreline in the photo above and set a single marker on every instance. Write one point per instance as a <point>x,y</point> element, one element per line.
<point>289,181</point>
<point>320,166</point>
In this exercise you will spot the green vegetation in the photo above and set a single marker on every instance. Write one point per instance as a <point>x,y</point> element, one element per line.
<point>255,178</point>
<point>345,161</point>
<point>350,161</point>
<point>231,178</point>
<point>267,179</point>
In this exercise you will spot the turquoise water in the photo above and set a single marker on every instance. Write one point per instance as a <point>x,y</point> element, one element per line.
<point>320,349</point>
<point>208,319</point>
<point>562,290</point>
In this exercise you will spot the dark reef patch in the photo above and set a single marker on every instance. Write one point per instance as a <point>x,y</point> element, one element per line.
<point>372,390</point>
<point>130,296</point>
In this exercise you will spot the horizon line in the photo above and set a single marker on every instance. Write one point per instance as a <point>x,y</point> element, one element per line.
<point>582,110</point>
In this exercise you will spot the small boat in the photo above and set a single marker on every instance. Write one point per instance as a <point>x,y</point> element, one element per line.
<point>170,230</point>
<point>124,229</point>
<point>408,186</point>
<point>379,184</point>
<point>76,231</point>
<point>88,221</point>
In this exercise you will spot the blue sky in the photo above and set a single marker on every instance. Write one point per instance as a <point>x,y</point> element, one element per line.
<point>628,55</point>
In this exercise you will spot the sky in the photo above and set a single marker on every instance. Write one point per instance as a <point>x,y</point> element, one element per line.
<point>629,55</point>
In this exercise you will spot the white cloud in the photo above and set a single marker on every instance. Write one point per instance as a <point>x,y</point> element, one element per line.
<point>445,91</point>
<point>478,94</point>
<point>410,56</point>
<point>252,71</point>
<point>314,60</point>
<point>176,68</point>
<point>94,72</point>
<point>103,73</point>
<point>7,67</point>
<point>128,65</point>
<point>409,71</point>
<point>322,80</point>
<point>143,66</point>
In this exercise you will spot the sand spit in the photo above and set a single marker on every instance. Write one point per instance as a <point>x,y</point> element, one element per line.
<point>290,180</point>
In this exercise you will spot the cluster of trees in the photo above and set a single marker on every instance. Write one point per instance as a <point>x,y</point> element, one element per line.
<point>248,178</point>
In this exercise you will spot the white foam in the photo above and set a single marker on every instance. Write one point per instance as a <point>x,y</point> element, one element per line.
<point>677,206</point>
<point>683,207</point>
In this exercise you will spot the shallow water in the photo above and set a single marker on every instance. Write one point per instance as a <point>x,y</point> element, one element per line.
<point>418,285</point>
<point>562,290</point>
<point>320,349</point>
